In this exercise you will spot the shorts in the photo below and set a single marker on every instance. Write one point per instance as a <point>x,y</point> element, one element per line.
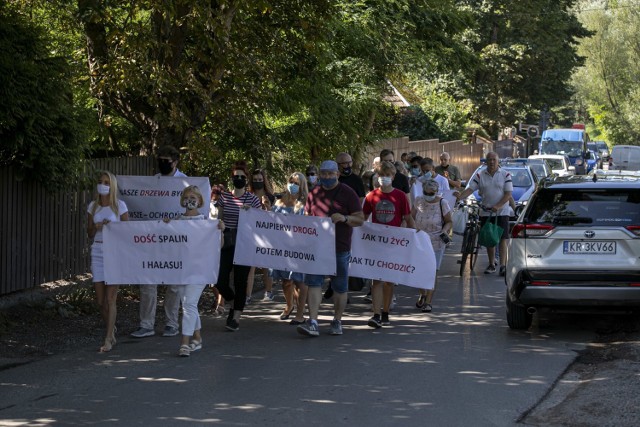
<point>339,282</point>
<point>286,275</point>
<point>503,221</point>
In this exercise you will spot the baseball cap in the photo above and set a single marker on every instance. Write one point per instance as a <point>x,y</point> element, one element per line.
<point>329,165</point>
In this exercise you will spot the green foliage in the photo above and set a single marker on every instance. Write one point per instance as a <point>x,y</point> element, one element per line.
<point>39,124</point>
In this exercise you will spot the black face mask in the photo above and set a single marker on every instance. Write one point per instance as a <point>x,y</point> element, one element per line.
<point>346,171</point>
<point>239,181</point>
<point>257,185</point>
<point>165,166</point>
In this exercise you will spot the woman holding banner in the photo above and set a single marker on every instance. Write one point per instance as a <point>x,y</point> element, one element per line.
<point>191,341</point>
<point>104,209</point>
<point>295,291</point>
<point>432,215</point>
<point>229,206</point>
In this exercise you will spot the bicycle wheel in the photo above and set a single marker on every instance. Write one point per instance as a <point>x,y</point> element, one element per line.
<point>473,244</point>
<point>464,250</point>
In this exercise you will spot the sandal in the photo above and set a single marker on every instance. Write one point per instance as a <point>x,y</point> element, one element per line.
<point>421,300</point>
<point>195,345</point>
<point>184,351</point>
<point>107,346</point>
<point>285,315</point>
<point>297,322</point>
<point>427,308</point>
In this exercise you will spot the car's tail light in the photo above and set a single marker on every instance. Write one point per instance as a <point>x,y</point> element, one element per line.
<point>635,229</point>
<point>530,230</point>
<point>634,285</point>
<point>539,283</point>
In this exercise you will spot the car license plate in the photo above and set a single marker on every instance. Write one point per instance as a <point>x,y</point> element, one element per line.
<point>589,248</point>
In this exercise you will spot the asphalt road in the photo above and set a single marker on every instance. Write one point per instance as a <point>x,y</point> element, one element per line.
<point>458,366</point>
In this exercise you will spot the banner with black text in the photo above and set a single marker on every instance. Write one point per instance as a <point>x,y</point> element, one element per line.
<point>156,197</point>
<point>155,253</point>
<point>393,254</point>
<point>298,243</point>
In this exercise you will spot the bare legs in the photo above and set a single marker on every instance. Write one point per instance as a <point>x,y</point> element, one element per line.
<point>106,297</point>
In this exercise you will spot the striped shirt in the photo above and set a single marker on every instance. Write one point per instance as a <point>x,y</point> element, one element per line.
<point>231,206</point>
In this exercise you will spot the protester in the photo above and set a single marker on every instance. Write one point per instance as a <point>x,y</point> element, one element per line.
<point>494,183</point>
<point>389,206</point>
<point>168,157</point>
<point>229,206</point>
<point>449,171</point>
<point>189,295</point>
<point>414,167</point>
<point>104,209</point>
<point>312,176</point>
<point>432,215</point>
<point>261,187</point>
<point>216,190</point>
<point>340,203</point>
<point>427,169</point>
<point>400,181</point>
<point>404,158</point>
<point>295,291</point>
<point>401,168</point>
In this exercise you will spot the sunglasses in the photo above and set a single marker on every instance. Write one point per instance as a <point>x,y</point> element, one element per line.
<point>311,174</point>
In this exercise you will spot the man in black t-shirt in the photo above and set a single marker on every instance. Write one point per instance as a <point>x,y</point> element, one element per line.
<point>345,164</point>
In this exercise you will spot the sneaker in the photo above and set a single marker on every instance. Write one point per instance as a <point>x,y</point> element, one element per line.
<point>385,319</point>
<point>248,300</point>
<point>490,270</point>
<point>309,328</point>
<point>328,293</point>
<point>393,303</point>
<point>268,296</point>
<point>143,332</point>
<point>184,351</point>
<point>503,270</point>
<point>375,322</point>
<point>232,325</point>
<point>170,331</point>
<point>427,308</point>
<point>336,327</point>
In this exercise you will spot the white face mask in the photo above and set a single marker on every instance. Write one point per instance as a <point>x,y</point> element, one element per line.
<point>103,190</point>
<point>385,181</point>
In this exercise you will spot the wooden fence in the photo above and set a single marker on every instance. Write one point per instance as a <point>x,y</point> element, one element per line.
<point>42,234</point>
<point>465,156</point>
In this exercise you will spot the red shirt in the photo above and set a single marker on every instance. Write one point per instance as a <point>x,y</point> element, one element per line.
<point>387,208</point>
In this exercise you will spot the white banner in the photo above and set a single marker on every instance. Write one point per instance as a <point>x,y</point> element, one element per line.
<point>393,254</point>
<point>298,243</point>
<point>156,253</point>
<point>156,197</point>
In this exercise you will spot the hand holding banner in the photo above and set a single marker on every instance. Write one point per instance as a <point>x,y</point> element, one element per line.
<point>393,254</point>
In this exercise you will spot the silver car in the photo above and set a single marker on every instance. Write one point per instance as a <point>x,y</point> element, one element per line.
<point>576,244</point>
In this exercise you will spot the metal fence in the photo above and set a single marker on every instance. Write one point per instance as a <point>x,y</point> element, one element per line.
<point>42,234</point>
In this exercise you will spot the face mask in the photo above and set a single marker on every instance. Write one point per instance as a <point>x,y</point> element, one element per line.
<point>428,175</point>
<point>313,179</point>
<point>239,181</point>
<point>293,188</point>
<point>190,204</point>
<point>415,171</point>
<point>429,198</point>
<point>165,166</point>
<point>257,185</point>
<point>103,190</point>
<point>346,171</point>
<point>385,181</point>
<point>328,182</point>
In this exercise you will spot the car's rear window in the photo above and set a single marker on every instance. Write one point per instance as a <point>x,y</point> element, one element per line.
<point>556,163</point>
<point>582,207</point>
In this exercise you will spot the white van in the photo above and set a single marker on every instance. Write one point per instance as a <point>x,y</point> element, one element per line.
<point>626,157</point>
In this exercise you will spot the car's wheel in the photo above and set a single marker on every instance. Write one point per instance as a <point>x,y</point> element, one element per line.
<point>517,316</point>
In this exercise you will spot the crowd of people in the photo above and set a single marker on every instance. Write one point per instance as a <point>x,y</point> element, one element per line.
<point>404,193</point>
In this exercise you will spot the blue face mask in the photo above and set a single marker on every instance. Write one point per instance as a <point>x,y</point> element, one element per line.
<point>293,188</point>
<point>415,171</point>
<point>428,175</point>
<point>328,182</point>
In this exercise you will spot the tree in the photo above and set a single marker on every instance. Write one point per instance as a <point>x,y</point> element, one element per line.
<point>39,125</point>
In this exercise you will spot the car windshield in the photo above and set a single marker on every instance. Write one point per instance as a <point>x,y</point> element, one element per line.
<point>538,169</point>
<point>567,148</point>
<point>594,207</point>
<point>520,178</point>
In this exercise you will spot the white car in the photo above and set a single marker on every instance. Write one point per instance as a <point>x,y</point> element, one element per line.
<point>560,165</point>
<point>575,245</point>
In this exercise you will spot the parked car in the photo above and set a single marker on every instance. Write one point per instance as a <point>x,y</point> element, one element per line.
<point>593,160</point>
<point>626,157</point>
<point>560,164</point>
<point>540,167</point>
<point>601,148</point>
<point>576,245</point>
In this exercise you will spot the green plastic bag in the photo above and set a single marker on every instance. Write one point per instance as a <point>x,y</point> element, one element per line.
<point>490,233</point>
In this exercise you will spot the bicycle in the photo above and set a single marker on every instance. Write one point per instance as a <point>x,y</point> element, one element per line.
<point>470,246</point>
